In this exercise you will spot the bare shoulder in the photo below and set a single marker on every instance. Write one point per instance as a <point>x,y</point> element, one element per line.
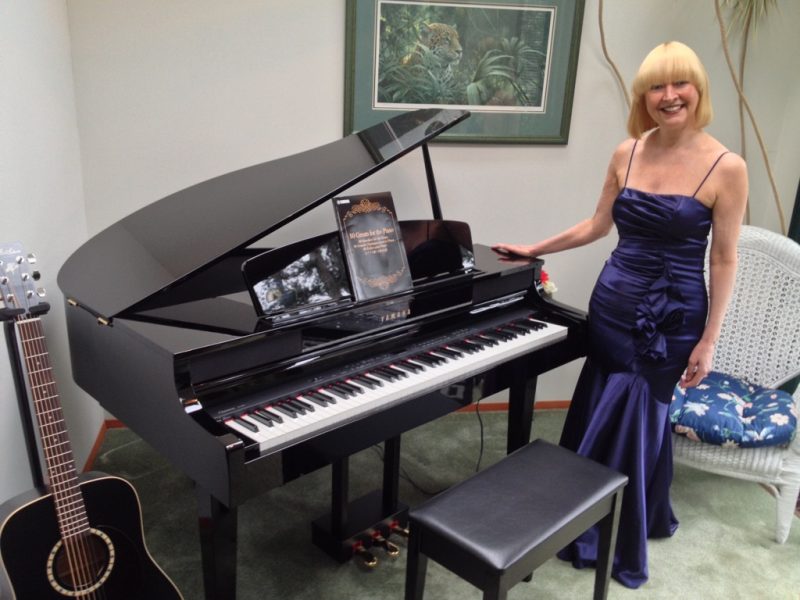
<point>730,185</point>
<point>623,151</point>
<point>621,158</point>
<point>732,165</point>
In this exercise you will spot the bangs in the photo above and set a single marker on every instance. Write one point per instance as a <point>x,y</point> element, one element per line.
<point>668,63</point>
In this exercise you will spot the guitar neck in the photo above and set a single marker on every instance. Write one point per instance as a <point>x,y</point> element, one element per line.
<point>61,471</point>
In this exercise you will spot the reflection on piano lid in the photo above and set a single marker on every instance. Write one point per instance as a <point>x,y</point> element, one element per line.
<point>179,248</point>
<point>310,276</point>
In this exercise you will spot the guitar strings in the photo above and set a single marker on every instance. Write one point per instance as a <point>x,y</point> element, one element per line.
<point>75,530</point>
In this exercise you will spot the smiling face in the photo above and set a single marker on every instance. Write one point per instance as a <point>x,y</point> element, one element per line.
<point>670,89</point>
<point>672,104</point>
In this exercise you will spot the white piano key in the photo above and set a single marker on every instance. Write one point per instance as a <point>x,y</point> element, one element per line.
<point>431,378</point>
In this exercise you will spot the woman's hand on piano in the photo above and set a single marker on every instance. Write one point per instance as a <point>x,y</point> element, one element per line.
<point>514,250</point>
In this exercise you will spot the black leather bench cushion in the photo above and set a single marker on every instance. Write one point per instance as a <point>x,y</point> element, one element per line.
<point>502,513</point>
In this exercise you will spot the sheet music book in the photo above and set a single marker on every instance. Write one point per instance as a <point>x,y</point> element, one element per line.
<point>372,245</point>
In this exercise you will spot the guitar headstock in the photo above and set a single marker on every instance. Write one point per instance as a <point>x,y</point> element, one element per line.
<point>18,292</point>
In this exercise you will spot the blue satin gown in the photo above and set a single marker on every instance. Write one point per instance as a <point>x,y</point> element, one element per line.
<point>647,312</point>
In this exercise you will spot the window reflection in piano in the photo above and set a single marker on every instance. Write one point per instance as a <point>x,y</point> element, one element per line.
<point>311,275</point>
<point>437,247</point>
<point>315,278</point>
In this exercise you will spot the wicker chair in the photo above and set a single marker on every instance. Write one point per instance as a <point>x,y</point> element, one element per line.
<point>760,343</point>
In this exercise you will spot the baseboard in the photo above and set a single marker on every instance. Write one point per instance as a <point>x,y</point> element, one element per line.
<point>503,406</point>
<point>101,436</point>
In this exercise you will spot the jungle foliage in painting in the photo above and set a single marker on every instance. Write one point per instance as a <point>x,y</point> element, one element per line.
<point>469,55</point>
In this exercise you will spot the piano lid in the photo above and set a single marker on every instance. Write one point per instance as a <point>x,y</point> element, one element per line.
<point>168,241</point>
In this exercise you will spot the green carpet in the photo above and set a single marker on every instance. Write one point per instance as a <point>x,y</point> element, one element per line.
<point>722,550</point>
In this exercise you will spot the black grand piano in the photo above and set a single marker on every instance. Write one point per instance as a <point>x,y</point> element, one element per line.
<point>248,366</point>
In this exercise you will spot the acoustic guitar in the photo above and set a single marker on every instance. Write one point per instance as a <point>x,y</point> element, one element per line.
<point>81,537</point>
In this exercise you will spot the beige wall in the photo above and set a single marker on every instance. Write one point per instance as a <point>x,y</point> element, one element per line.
<point>42,203</point>
<point>172,92</point>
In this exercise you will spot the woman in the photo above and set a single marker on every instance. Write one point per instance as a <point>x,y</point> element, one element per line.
<point>651,322</point>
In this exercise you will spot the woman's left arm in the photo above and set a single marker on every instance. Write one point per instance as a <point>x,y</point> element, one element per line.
<point>727,214</point>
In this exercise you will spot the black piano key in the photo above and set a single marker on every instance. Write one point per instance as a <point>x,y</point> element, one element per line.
<point>299,405</point>
<point>517,328</point>
<point>349,386</point>
<point>536,324</point>
<point>315,399</point>
<point>410,366</point>
<point>261,419</point>
<point>308,406</point>
<point>429,359</point>
<point>320,395</point>
<point>487,340</point>
<point>491,336</point>
<point>447,352</point>
<point>270,414</point>
<point>464,347</point>
<point>503,334</point>
<point>394,369</point>
<point>477,343</point>
<point>285,410</point>
<point>526,325</point>
<point>332,389</point>
<point>244,423</point>
<point>367,381</point>
<point>383,375</point>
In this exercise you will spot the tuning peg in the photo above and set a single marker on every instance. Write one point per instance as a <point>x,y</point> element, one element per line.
<point>41,292</point>
<point>32,258</point>
<point>36,275</point>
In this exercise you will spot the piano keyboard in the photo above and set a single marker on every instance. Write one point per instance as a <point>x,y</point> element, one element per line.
<point>295,418</point>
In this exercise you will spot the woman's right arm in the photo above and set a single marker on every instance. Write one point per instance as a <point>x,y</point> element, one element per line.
<point>588,230</point>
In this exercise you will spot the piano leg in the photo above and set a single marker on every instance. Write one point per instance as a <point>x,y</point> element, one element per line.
<point>340,482</point>
<point>218,531</point>
<point>521,396</point>
<point>391,475</point>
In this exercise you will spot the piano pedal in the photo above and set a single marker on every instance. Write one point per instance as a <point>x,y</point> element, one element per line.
<point>368,559</point>
<point>396,528</point>
<point>380,541</point>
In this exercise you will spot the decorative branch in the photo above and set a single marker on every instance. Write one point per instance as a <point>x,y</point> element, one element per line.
<point>608,58</point>
<point>742,137</point>
<point>746,104</point>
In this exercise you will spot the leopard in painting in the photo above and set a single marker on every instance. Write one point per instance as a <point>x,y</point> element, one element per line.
<point>439,47</point>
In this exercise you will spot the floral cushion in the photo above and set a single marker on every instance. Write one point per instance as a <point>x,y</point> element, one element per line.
<point>727,411</point>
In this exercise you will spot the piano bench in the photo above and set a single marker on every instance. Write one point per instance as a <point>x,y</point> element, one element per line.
<point>495,528</point>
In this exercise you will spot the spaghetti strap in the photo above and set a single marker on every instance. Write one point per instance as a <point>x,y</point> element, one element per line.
<point>630,162</point>
<point>719,158</point>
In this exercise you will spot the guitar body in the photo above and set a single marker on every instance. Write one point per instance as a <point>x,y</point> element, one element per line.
<point>33,557</point>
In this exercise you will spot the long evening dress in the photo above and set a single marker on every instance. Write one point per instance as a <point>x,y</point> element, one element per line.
<point>646,313</point>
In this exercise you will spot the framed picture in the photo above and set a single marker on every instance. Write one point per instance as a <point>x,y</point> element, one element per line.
<point>511,63</point>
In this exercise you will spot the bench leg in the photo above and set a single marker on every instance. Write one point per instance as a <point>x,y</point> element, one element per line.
<point>606,543</point>
<point>416,567</point>
<point>495,592</point>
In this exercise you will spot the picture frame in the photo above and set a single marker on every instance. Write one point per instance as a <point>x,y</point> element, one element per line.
<point>511,63</point>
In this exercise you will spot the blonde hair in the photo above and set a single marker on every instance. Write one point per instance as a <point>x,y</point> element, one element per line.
<point>666,63</point>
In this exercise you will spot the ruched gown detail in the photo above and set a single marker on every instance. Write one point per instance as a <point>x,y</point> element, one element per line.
<point>646,314</point>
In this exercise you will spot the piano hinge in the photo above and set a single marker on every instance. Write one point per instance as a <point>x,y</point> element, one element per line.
<point>100,320</point>
<point>191,405</point>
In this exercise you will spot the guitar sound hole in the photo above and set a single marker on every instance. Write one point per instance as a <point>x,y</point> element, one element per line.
<point>81,567</point>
